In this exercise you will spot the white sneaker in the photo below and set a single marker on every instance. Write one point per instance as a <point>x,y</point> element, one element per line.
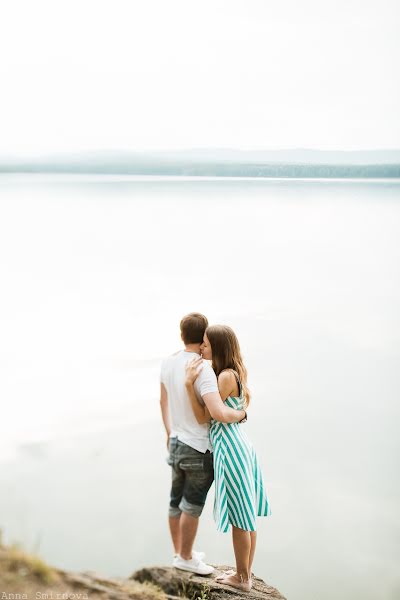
<point>193,565</point>
<point>196,555</point>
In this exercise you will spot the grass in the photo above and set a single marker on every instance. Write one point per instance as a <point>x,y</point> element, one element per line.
<point>145,590</point>
<point>18,563</point>
<point>192,592</point>
<point>23,574</point>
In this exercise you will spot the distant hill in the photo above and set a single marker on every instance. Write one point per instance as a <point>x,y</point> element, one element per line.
<point>216,162</point>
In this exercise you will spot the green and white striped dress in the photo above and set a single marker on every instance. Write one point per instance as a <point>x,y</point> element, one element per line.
<point>240,494</point>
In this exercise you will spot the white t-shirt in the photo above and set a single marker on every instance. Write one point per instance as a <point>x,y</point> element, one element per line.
<point>184,425</point>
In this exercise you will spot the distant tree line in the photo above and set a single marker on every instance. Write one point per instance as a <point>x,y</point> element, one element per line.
<point>205,169</point>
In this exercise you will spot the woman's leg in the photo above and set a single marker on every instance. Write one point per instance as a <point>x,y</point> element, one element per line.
<point>253,541</point>
<point>242,548</point>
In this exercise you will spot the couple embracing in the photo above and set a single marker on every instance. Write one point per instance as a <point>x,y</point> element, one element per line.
<point>203,406</point>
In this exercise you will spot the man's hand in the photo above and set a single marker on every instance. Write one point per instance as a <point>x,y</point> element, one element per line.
<point>219,411</point>
<point>193,369</point>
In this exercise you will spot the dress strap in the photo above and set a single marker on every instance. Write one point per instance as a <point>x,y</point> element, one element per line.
<point>237,379</point>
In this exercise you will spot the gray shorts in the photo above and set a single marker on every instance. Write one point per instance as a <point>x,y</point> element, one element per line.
<point>192,477</point>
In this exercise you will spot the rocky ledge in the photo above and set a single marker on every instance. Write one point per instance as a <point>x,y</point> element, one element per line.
<point>172,585</point>
<point>178,584</point>
<point>26,577</point>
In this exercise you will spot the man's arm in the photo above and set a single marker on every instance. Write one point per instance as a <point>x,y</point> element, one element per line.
<point>219,411</point>
<point>165,410</point>
<point>201,412</point>
<point>207,387</point>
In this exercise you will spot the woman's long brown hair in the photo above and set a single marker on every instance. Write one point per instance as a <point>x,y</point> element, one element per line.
<point>226,354</point>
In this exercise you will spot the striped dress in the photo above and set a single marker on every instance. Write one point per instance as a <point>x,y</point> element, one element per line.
<point>240,494</point>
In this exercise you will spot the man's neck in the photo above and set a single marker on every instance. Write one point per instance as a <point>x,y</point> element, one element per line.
<point>193,348</point>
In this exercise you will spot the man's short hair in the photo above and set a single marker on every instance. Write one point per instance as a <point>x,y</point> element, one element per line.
<point>193,327</point>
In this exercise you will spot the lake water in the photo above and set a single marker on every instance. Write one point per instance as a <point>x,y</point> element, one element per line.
<point>95,276</point>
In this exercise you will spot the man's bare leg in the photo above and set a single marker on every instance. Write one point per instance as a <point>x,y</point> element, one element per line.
<point>188,530</point>
<point>174,527</point>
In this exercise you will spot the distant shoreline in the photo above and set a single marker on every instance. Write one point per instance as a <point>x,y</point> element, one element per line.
<point>218,163</point>
<point>123,177</point>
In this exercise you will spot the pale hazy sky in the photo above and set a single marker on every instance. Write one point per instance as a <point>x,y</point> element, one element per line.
<point>83,74</point>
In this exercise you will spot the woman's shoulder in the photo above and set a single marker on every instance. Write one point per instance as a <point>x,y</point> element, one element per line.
<point>227,383</point>
<point>226,376</point>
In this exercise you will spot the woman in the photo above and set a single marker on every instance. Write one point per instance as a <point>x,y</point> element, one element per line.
<point>239,490</point>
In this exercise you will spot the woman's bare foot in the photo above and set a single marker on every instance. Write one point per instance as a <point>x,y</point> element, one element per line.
<point>225,574</point>
<point>236,582</point>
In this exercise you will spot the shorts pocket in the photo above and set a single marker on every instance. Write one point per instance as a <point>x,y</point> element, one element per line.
<point>192,464</point>
<point>171,458</point>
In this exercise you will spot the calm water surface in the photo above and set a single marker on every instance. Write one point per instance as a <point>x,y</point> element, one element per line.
<point>95,277</point>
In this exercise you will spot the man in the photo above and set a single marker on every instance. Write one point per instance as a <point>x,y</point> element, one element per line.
<point>188,442</point>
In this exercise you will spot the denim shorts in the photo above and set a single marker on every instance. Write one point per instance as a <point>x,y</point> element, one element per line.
<point>192,477</point>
